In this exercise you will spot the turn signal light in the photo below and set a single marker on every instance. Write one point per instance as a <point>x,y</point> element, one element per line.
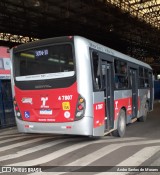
<point>16,108</point>
<point>81,100</point>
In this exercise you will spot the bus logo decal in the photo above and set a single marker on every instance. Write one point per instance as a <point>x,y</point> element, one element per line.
<point>116,103</point>
<point>44,99</point>
<point>27,100</point>
<point>129,105</point>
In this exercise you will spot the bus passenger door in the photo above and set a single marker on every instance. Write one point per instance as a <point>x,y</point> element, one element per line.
<point>107,77</point>
<point>134,86</point>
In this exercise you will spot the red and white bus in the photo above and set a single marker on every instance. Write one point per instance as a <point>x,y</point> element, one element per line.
<point>71,85</point>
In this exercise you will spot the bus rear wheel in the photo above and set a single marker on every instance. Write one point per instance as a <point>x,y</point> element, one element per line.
<point>121,125</point>
<point>144,117</point>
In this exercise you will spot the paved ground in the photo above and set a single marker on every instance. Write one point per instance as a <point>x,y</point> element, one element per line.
<point>140,147</point>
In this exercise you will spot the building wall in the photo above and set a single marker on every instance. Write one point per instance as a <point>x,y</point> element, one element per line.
<point>4,63</point>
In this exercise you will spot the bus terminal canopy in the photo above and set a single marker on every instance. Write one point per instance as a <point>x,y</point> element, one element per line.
<point>131,27</point>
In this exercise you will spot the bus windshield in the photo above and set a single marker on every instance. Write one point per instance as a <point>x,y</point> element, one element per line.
<point>54,60</point>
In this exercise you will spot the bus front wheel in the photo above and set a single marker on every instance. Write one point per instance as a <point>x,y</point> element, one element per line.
<point>121,125</point>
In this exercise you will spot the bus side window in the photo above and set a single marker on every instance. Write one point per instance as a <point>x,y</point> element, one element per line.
<point>141,78</point>
<point>121,74</point>
<point>96,71</point>
<point>103,72</point>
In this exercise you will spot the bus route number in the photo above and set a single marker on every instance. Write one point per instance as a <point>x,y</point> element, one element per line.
<point>65,97</point>
<point>99,106</point>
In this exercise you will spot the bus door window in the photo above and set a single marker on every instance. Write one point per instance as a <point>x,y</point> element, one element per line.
<point>103,76</point>
<point>141,78</point>
<point>134,88</point>
<point>146,78</point>
<point>96,71</point>
<point>121,78</point>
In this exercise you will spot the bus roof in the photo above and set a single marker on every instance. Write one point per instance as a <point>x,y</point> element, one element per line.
<point>88,42</point>
<point>112,52</point>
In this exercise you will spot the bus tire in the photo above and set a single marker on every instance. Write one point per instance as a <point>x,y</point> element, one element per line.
<point>143,118</point>
<point>121,125</point>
